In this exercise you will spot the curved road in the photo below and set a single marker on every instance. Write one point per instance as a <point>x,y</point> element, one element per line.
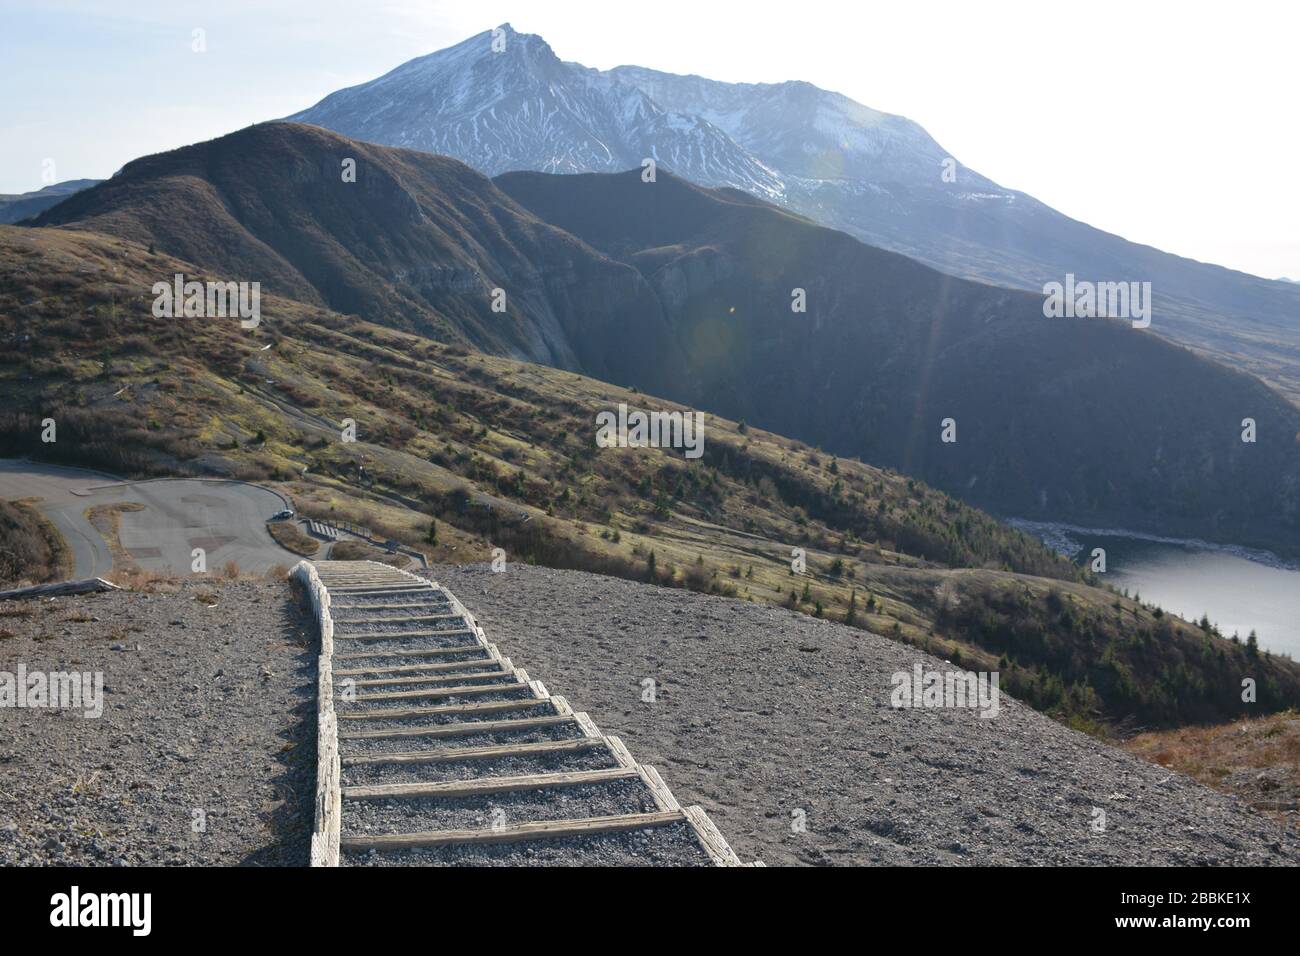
<point>225,518</point>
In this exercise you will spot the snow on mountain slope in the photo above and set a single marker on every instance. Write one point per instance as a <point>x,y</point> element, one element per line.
<point>515,105</point>
<point>802,130</point>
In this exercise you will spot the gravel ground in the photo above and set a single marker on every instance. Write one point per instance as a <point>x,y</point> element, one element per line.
<point>781,727</point>
<point>209,708</point>
<point>660,846</point>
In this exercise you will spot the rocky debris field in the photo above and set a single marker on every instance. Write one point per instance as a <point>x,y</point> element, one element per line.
<point>208,724</point>
<point>781,726</point>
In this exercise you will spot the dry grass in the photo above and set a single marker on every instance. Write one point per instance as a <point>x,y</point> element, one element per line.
<point>360,551</point>
<point>136,578</point>
<point>32,551</point>
<point>292,538</point>
<point>351,551</point>
<point>1257,760</point>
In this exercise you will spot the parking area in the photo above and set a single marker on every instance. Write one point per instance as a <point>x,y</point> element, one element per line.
<point>166,519</point>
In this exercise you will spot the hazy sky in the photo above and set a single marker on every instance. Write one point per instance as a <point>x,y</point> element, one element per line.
<point>1175,124</point>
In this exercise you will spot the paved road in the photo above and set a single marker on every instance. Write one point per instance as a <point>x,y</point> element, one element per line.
<point>225,518</point>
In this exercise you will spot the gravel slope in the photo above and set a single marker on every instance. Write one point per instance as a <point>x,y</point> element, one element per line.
<point>209,708</point>
<point>766,717</point>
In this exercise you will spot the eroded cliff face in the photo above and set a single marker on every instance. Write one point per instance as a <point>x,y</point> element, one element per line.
<point>693,274</point>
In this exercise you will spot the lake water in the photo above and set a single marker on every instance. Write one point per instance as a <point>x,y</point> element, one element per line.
<point>1240,590</point>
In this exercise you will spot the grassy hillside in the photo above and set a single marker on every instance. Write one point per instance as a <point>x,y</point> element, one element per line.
<point>416,241</point>
<point>459,453</point>
<point>687,293</point>
<point>1085,420</point>
<point>1256,760</point>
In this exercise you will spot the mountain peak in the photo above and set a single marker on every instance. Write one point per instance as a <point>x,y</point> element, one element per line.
<point>502,100</point>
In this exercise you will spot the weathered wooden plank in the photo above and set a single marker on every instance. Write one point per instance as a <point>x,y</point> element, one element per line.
<point>462,729</point>
<point>413,652</point>
<point>460,690</point>
<point>420,668</point>
<point>620,752</point>
<point>379,636</point>
<point>663,797</point>
<point>329,806</point>
<point>714,843</point>
<point>451,754</point>
<point>84,586</point>
<point>343,575</point>
<point>397,620</point>
<point>453,789</point>
<point>381,591</point>
<point>339,606</point>
<point>324,847</point>
<point>432,679</point>
<point>516,832</point>
<point>525,703</point>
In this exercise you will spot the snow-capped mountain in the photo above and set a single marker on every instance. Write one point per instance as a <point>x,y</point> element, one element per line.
<point>503,101</point>
<point>804,131</point>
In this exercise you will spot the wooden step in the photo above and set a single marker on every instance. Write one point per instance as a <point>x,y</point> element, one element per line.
<point>361,574</point>
<point>515,832</point>
<point>714,843</point>
<point>370,577</point>
<point>430,679</point>
<point>454,789</point>
<point>483,708</point>
<point>395,620</point>
<point>413,652</point>
<point>380,607</point>
<point>460,690</point>
<point>391,635</point>
<point>415,668</point>
<point>355,583</point>
<point>450,754</point>
<point>463,729</point>
<point>370,589</point>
